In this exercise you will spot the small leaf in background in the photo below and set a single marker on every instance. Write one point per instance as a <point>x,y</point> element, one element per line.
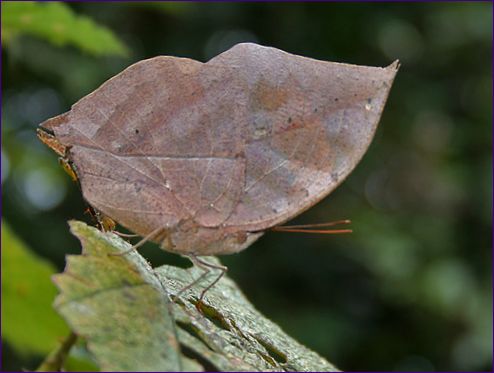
<point>29,323</point>
<point>57,23</point>
<point>118,305</point>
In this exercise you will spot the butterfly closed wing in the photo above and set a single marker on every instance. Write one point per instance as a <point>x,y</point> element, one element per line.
<point>212,154</point>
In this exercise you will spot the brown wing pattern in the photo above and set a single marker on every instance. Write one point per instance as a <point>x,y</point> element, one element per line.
<point>307,124</point>
<point>239,144</point>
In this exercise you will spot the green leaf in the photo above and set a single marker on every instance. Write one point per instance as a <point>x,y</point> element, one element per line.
<point>57,23</point>
<point>118,305</point>
<point>29,323</point>
<point>121,305</point>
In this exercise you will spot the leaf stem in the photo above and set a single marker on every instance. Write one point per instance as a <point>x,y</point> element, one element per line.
<point>55,360</point>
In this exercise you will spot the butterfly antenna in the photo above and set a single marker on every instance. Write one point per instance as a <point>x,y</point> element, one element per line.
<point>308,228</point>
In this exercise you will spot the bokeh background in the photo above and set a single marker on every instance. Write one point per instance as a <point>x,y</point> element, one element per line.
<point>410,289</point>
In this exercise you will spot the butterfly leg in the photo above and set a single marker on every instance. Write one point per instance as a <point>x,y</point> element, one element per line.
<point>125,235</point>
<point>206,267</point>
<point>145,239</point>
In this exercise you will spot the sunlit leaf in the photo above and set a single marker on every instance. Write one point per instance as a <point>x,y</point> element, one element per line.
<point>58,24</point>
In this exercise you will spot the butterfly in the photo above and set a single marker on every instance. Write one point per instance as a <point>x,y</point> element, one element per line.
<point>202,158</point>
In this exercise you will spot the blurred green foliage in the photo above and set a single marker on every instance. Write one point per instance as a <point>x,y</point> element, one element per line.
<point>30,324</point>
<point>57,23</point>
<point>410,289</point>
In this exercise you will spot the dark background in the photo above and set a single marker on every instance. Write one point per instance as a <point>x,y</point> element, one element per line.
<point>410,289</point>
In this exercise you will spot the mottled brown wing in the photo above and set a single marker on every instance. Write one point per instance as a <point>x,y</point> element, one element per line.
<point>241,143</point>
<point>158,144</point>
<point>306,124</point>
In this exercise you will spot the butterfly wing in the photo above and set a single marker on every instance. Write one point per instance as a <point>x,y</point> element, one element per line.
<point>214,151</point>
<point>307,123</point>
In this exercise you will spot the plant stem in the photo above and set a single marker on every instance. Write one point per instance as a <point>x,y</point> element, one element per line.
<point>55,360</point>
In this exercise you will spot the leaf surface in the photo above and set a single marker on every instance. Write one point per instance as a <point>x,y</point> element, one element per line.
<point>118,305</point>
<point>121,306</point>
